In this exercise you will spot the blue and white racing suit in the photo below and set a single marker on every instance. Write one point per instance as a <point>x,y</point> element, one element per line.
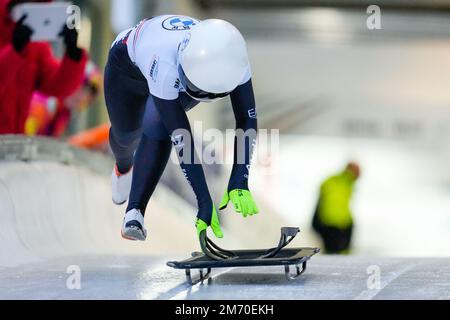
<point>146,103</point>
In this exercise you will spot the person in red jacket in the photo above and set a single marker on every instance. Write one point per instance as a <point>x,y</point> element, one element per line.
<point>27,66</point>
<point>50,116</point>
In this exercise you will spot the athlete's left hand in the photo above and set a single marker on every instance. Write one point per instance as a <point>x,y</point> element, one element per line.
<point>242,201</point>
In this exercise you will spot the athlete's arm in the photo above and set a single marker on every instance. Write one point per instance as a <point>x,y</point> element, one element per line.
<point>244,108</point>
<point>177,124</point>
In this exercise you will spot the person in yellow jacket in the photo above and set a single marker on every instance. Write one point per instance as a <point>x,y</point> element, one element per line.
<point>333,219</point>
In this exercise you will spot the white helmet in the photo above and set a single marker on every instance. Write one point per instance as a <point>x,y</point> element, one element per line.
<point>212,60</point>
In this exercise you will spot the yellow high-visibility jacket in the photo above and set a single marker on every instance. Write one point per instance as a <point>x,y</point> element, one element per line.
<point>334,202</point>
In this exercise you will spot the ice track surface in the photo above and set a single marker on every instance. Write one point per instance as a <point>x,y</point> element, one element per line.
<point>128,277</point>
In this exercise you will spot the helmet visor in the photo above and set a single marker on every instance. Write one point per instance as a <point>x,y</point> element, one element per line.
<point>197,93</point>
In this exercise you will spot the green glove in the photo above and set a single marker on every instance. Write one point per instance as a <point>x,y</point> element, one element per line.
<point>215,225</point>
<point>242,200</point>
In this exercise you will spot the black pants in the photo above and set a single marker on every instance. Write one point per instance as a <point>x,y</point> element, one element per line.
<point>335,240</point>
<point>137,137</point>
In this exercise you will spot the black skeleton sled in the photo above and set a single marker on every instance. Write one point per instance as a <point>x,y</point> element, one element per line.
<point>212,256</point>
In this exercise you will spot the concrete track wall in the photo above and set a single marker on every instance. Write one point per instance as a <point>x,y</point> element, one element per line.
<point>50,209</point>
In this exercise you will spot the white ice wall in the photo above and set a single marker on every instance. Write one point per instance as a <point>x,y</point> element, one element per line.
<point>50,210</point>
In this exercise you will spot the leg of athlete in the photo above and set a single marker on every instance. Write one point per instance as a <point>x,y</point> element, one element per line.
<point>126,93</point>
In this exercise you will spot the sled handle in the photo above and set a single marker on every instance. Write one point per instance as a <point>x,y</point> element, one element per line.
<point>287,235</point>
<point>212,250</point>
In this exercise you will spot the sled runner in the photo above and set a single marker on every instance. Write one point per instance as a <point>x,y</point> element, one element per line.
<point>215,257</point>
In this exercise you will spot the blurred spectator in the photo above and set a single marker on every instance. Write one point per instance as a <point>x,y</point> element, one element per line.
<point>95,138</point>
<point>333,219</point>
<point>50,116</point>
<point>27,67</point>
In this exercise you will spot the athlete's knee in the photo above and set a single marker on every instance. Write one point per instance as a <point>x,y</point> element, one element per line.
<point>124,139</point>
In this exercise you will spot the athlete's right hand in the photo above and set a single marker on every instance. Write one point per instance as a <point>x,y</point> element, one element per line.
<point>215,225</point>
<point>21,35</point>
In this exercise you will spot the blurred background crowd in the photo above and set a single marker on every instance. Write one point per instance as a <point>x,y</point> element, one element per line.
<point>363,114</point>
